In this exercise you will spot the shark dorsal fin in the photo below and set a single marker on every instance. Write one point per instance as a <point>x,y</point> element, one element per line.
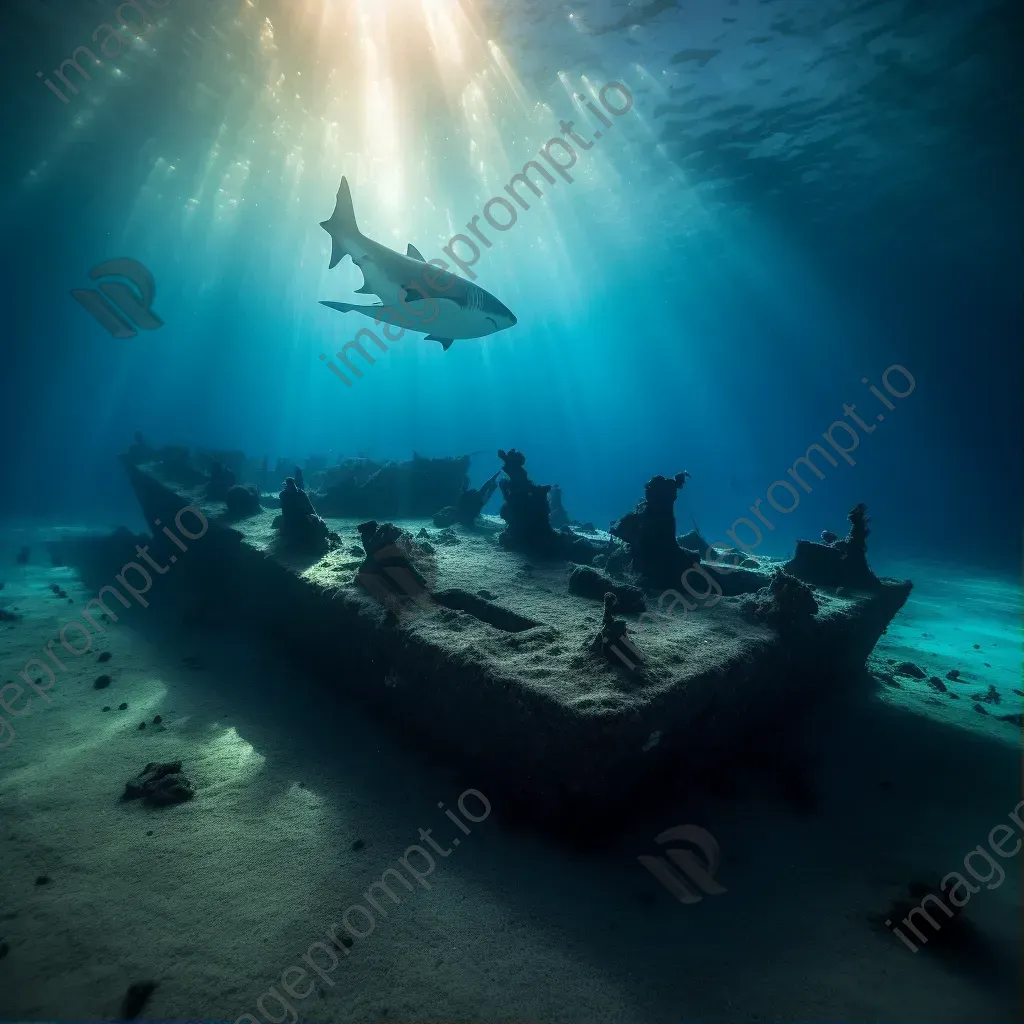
<point>414,253</point>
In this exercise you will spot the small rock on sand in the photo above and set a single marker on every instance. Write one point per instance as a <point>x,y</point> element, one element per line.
<point>160,785</point>
<point>908,668</point>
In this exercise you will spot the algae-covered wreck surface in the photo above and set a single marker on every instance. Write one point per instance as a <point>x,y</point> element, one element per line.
<point>561,669</point>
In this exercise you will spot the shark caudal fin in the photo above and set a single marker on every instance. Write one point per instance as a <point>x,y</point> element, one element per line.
<point>342,226</point>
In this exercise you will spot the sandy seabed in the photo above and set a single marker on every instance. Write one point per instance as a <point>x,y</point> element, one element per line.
<point>303,802</point>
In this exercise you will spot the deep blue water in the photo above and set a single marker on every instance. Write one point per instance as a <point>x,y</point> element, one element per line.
<point>800,197</point>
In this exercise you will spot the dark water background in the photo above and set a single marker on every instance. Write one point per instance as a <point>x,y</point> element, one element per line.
<point>836,190</point>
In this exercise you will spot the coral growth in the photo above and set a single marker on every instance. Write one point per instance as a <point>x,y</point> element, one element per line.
<point>650,532</point>
<point>242,501</point>
<point>298,524</point>
<point>837,563</point>
<point>525,508</point>
<point>558,517</point>
<point>786,604</point>
<point>388,572</point>
<point>526,512</point>
<point>612,640</point>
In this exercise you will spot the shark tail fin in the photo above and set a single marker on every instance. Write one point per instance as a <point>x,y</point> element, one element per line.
<point>342,225</point>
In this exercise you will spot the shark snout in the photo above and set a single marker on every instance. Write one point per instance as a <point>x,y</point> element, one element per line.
<point>505,317</point>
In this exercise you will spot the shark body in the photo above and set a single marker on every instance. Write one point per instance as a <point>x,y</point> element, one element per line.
<point>413,294</point>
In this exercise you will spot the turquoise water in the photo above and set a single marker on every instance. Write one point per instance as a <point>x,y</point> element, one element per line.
<point>773,243</point>
<point>797,199</point>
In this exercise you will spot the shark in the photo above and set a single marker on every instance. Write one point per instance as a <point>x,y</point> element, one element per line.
<point>414,295</point>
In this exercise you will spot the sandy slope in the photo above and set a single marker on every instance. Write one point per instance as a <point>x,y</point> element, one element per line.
<point>229,890</point>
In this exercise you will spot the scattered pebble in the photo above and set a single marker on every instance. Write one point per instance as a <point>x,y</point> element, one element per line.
<point>986,664</point>
<point>937,683</point>
<point>980,709</point>
<point>123,706</point>
<point>358,844</point>
<point>149,832</point>
<point>106,707</point>
<point>102,682</point>
<point>158,719</point>
<point>1012,719</point>
<point>43,880</point>
<point>105,656</point>
<point>908,668</point>
<point>954,674</point>
<point>142,725</point>
<point>977,647</point>
<point>990,697</point>
<point>160,785</point>
<point>4,948</point>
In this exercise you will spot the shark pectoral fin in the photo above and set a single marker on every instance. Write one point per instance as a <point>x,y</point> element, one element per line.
<point>341,307</point>
<point>365,289</point>
<point>414,253</point>
<point>446,343</point>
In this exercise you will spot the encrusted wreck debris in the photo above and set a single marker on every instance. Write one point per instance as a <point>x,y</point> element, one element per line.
<point>497,666</point>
